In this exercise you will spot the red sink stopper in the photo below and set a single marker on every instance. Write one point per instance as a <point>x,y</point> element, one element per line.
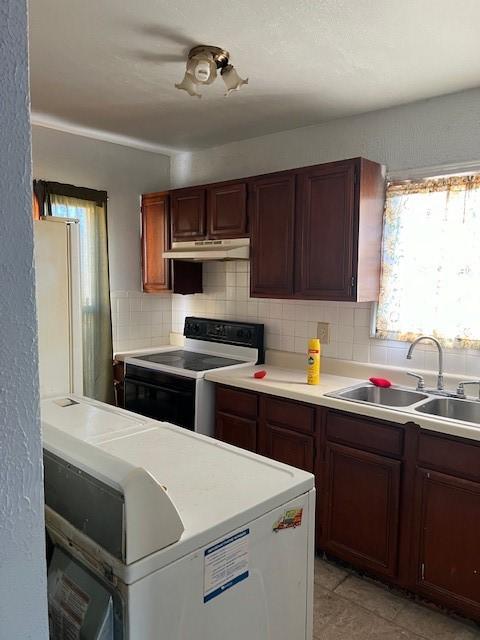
<point>260,374</point>
<point>381,382</point>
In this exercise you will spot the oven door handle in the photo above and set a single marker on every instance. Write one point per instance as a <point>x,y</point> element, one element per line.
<point>158,387</point>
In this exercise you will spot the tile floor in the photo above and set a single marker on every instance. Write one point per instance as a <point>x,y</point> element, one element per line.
<point>349,607</point>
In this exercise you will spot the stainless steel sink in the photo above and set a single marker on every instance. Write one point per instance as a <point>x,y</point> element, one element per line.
<point>453,408</point>
<point>391,397</point>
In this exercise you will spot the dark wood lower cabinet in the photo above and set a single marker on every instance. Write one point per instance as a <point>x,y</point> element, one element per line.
<point>286,432</point>
<point>118,382</point>
<point>393,500</point>
<point>236,417</point>
<point>241,432</point>
<point>448,530</point>
<point>362,508</point>
<point>288,446</point>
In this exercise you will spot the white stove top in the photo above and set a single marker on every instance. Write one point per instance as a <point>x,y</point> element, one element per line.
<point>196,358</point>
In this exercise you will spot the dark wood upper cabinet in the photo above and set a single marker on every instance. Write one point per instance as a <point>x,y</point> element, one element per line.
<point>333,246</point>
<point>362,509</point>
<point>339,231</point>
<point>326,232</point>
<point>155,269</point>
<point>216,211</point>
<point>315,231</point>
<point>188,214</point>
<point>227,210</point>
<point>272,236</point>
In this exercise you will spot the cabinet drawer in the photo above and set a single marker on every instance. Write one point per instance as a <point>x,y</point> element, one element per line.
<point>288,414</point>
<point>365,434</point>
<point>455,457</point>
<point>239,403</point>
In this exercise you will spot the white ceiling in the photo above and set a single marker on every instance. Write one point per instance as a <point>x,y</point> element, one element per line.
<point>111,65</point>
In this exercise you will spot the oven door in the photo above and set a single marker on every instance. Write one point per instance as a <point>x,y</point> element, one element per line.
<point>160,395</point>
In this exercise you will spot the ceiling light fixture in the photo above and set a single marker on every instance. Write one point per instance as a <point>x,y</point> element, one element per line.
<point>202,65</point>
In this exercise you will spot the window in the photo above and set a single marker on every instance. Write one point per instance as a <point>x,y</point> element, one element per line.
<point>431,261</point>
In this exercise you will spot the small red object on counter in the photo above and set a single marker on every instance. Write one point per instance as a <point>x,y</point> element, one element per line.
<point>381,382</point>
<point>260,374</point>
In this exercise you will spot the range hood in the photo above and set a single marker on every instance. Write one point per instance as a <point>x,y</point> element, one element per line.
<point>206,250</point>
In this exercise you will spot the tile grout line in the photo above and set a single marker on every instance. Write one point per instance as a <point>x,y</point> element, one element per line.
<point>378,615</point>
<point>369,611</point>
<point>406,600</point>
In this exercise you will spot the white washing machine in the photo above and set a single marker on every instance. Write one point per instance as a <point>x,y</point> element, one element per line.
<point>164,534</point>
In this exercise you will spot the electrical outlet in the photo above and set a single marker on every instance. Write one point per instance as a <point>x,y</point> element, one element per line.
<point>323,332</point>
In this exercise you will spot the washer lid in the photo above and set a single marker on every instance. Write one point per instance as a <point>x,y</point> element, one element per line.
<point>210,482</point>
<point>90,421</point>
<point>72,429</point>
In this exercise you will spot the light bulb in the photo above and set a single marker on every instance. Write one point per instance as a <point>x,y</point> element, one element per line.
<point>202,71</point>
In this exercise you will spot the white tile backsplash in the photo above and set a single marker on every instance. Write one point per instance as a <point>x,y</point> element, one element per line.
<point>289,323</point>
<point>140,319</point>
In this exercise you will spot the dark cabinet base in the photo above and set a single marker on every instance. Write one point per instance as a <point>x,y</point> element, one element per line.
<point>447,563</point>
<point>392,500</point>
<point>362,508</point>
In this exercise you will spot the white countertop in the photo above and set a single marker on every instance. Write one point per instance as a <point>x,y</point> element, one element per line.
<point>291,384</point>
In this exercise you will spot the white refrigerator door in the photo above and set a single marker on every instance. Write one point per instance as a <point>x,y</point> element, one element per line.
<point>57,275</point>
<point>254,584</point>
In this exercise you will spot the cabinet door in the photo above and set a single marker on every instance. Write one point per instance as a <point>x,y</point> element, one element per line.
<point>327,232</point>
<point>289,447</point>
<point>362,508</point>
<point>155,269</point>
<point>227,211</point>
<point>241,432</point>
<point>188,215</point>
<point>447,531</point>
<point>272,237</point>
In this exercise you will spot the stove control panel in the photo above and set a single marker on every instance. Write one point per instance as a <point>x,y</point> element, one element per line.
<point>245,334</point>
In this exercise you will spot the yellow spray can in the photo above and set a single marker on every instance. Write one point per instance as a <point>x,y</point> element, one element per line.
<point>313,361</point>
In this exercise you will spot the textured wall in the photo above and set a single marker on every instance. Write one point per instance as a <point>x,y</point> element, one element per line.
<point>124,172</point>
<point>437,131</point>
<point>22,556</point>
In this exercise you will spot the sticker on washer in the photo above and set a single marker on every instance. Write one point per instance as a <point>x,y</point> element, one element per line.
<point>225,565</point>
<point>291,519</point>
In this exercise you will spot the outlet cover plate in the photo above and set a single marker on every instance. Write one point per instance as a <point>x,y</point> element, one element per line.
<point>323,332</point>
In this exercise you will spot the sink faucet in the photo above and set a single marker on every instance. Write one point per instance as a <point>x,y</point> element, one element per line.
<point>440,386</point>
<point>461,388</point>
